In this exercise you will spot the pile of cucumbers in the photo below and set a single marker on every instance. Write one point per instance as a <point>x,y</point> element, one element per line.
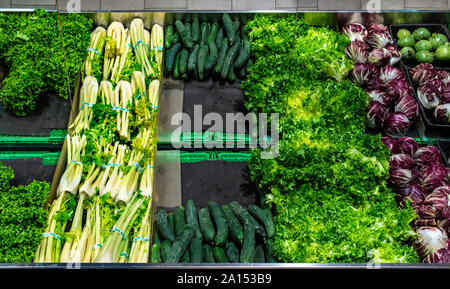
<point>227,234</point>
<point>197,50</point>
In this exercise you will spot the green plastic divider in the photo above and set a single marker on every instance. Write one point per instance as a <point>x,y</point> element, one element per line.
<point>199,156</point>
<point>48,158</point>
<point>55,137</point>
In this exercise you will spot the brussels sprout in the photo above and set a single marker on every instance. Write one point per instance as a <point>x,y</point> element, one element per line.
<point>424,56</point>
<point>407,41</point>
<point>403,33</point>
<point>443,53</point>
<point>421,34</point>
<point>407,53</point>
<point>437,40</point>
<point>423,45</point>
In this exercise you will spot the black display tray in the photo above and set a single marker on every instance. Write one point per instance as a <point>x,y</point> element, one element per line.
<point>28,170</point>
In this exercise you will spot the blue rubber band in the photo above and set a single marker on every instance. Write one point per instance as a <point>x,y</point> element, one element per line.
<point>51,234</point>
<point>115,229</point>
<point>136,239</point>
<point>95,50</point>
<point>139,42</point>
<point>150,166</point>
<point>120,108</point>
<point>160,48</point>
<point>145,239</point>
<point>154,106</point>
<point>97,245</point>
<point>138,166</point>
<point>129,45</point>
<point>77,162</point>
<point>86,104</point>
<point>124,254</point>
<point>111,165</point>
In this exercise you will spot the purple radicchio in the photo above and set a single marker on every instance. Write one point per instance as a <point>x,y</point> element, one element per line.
<point>425,211</point>
<point>380,96</point>
<point>444,77</point>
<point>402,161</point>
<point>432,176</point>
<point>396,124</point>
<point>389,72</point>
<point>427,155</point>
<point>428,96</point>
<point>408,106</point>
<point>363,73</point>
<point>435,83</point>
<point>376,114</point>
<point>390,143</point>
<point>440,200</point>
<point>396,55</point>
<point>398,88</point>
<point>441,256</point>
<point>357,51</point>
<point>406,145</point>
<point>442,113</point>
<point>422,72</point>
<point>379,36</point>
<point>413,193</point>
<point>355,31</point>
<point>401,178</point>
<point>379,57</point>
<point>430,240</point>
<point>445,96</point>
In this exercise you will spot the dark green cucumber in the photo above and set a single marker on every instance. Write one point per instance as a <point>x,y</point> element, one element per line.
<point>191,218</point>
<point>192,61</point>
<point>229,60</point>
<point>243,215</point>
<point>156,254</point>
<point>220,222</point>
<point>244,33</point>
<point>242,73</point>
<point>263,217</point>
<point>170,56</point>
<point>176,67</point>
<point>229,27</point>
<point>186,258</point>
<point>195,249</point>
<point>235,31</point>
<point>164,227</point>
<point>235,228</point>
<point>259,255</point>
<point>231,76</point>
<point>212,57</point>
<point>222,54</point>
<point>171,220</point>
<point>185,34</point>
<point>188,28</point>
<point>220,255</point>
<point>248,246</point>
<point>165,249</point>
<point>180,244</point>
<point>175,38</point>
<point>208,254</point>
<point>196,31</point>
<point>180,220</point>
<point>219,38</point>
<point>156,238</point>
<point>184,56</point>
<point>244,55</point>
<point>204,33</point>
<point>268,248</point>
<point>212,33</point>
<point>206,225</point>
<point>201,61</point>
<point>232,252</point>
<point>168,36</point>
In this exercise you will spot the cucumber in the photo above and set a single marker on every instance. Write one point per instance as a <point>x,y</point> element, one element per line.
<point>188,28</point>
<point>164,227</point>
<point>180,220</point>
<point>248,246</point>
<point>191,218</point>
<point>244,55</point>
<point>170,56</point>
<point>184,56</point>
<point>204,33</point>
<point>219,38</point>
<point>156,254</point>
<point>168,36</point>
<point>212,57</point>
<point>176,70</point>
<point>242,73</point>
<point>220,222</point>
<point>195,31</point>
<point>220,255</point>
<point>259,255</point>
<point>232,252</point>
<point>243,215</point>
<point>192,61</point>
<point>264,217</point>
<point>229,60</point>
<point>156,238</point>
<point>165,249</point>
<point>201,61</point>
<point>231,76</point>
<point>222,54</point>
<point>206,226</point>
<point>186,258</point>
<point>235,228</point>
<point>268,248</point>
<point>244,32</point>
<point>171,220</point>
<point>213,33</point>
<point>229,27</point>
<point>235,32</point>
<point>208,255</point>
<point>195,249</point>
<point>175,38</point>
<point>180,244</point>
<point>185,34</point>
